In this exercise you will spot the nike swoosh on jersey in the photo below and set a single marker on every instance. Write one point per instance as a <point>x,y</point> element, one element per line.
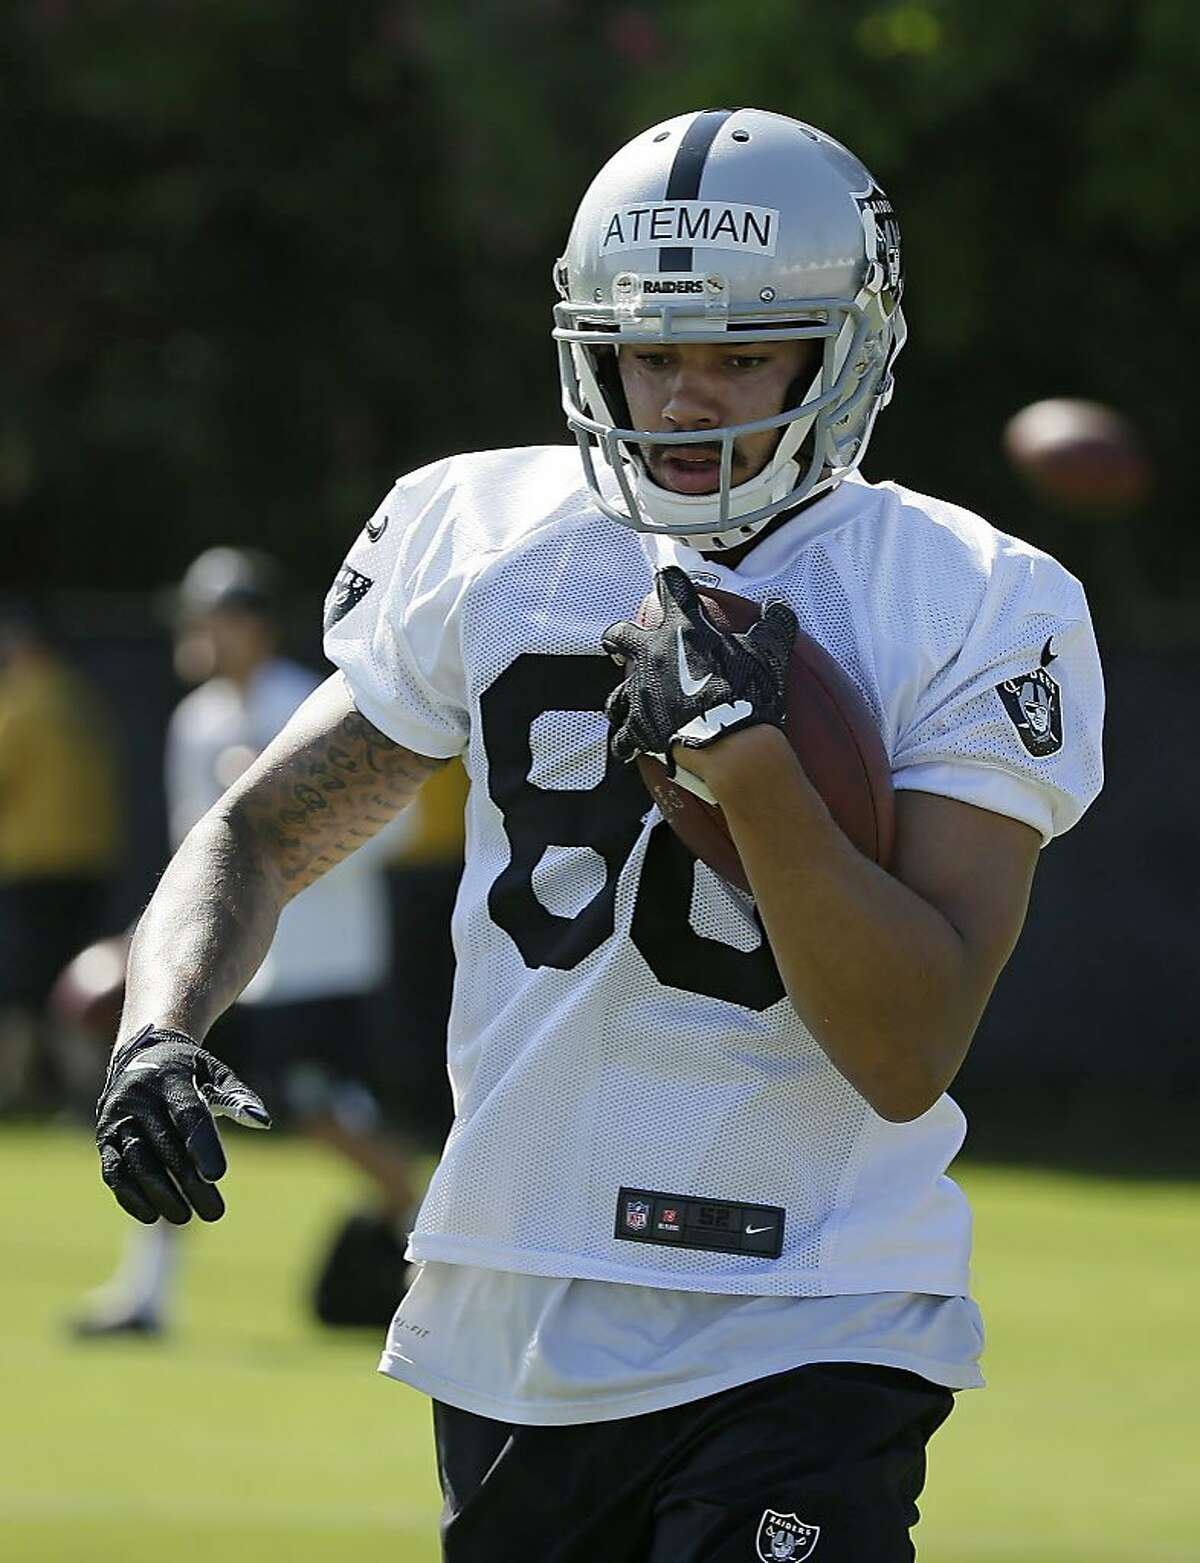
<point>753,1231</point>
<point>689,685</point>
<point>374,533</point>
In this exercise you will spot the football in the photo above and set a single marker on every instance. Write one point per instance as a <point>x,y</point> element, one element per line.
<point>830,728</point>
<point>1079,455</point>
<point>88,994</point>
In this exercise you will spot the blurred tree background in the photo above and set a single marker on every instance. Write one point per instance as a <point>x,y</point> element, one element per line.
<point>261,256</point>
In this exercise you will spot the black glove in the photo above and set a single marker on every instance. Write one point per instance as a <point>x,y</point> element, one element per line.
<point>688,682</point>
<point>160,1152</point>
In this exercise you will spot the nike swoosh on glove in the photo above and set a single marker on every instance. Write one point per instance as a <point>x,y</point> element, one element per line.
<point>160,1152</point>
<point>689,682</point>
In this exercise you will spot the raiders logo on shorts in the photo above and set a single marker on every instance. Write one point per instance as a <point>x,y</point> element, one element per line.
<point>785,1536</point>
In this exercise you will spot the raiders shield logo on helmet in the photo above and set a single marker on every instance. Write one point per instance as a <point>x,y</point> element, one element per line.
<point>882,229</point>
<point>785,1536</point>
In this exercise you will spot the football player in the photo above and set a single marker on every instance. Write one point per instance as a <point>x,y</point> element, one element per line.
<point>694,1282</point>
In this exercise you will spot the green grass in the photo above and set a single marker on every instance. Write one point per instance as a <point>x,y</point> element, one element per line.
<point>252,1437</point>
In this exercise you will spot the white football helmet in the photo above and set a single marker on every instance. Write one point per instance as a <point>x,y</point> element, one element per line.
<point>723,221</point>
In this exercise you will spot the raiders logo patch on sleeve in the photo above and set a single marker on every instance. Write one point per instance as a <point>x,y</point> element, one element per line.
<point>349,588</point>
<point>1034,704</point>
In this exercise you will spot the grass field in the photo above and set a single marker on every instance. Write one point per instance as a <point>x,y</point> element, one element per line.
<point>252,1437</point>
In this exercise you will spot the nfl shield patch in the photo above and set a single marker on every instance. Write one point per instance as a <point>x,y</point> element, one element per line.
<point>785,1536</point>
<point>637,1214</point>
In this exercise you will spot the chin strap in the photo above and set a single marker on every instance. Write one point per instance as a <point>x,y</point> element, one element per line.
<point>668,511</point>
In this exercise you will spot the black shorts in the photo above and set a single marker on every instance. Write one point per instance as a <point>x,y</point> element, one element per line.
<point>825,1461</point>
<point>304,1059</point>
<point>411,1011</point>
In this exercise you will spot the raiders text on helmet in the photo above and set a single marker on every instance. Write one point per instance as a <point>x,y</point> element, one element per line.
<point>719,222</point>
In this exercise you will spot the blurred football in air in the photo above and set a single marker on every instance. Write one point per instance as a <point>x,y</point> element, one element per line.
<point>828,724</point>
<point>1079,456</point>
<point>89,992</point>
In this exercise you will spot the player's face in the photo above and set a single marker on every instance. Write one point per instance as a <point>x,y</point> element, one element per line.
<point>685,388</point>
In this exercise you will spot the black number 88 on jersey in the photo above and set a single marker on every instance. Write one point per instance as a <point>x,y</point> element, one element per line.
<point>607,818</point>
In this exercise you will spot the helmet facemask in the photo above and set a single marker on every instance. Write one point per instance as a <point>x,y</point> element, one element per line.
<point>812,453</point>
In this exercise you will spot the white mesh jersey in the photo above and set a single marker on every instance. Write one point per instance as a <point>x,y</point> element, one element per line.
<point>618,1020</point>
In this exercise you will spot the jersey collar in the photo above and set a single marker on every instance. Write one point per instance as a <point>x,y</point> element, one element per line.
<point>768,558</point>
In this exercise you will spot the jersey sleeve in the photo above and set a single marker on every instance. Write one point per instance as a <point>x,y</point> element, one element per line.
<point>392,619</point>
<point>1012,721</point>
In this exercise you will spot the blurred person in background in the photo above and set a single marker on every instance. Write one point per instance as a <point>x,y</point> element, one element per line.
<point>363,1273</point>
<point>300,1030</point>
<point>424,869</point>
<point>60,836</point>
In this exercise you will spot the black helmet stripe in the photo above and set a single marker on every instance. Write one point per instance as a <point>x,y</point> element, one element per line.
<point>683,182</point>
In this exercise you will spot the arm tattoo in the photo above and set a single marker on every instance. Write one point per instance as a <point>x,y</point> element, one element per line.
<point>326,785</point>
<point>330,797</point>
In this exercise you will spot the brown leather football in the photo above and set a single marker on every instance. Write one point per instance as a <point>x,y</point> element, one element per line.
<point>828,724</point>
<point>88,993</point>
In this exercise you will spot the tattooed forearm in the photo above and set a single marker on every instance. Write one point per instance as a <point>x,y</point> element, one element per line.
<point>204,934</point>
<point>326,800</point>
<point>327,784</point>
